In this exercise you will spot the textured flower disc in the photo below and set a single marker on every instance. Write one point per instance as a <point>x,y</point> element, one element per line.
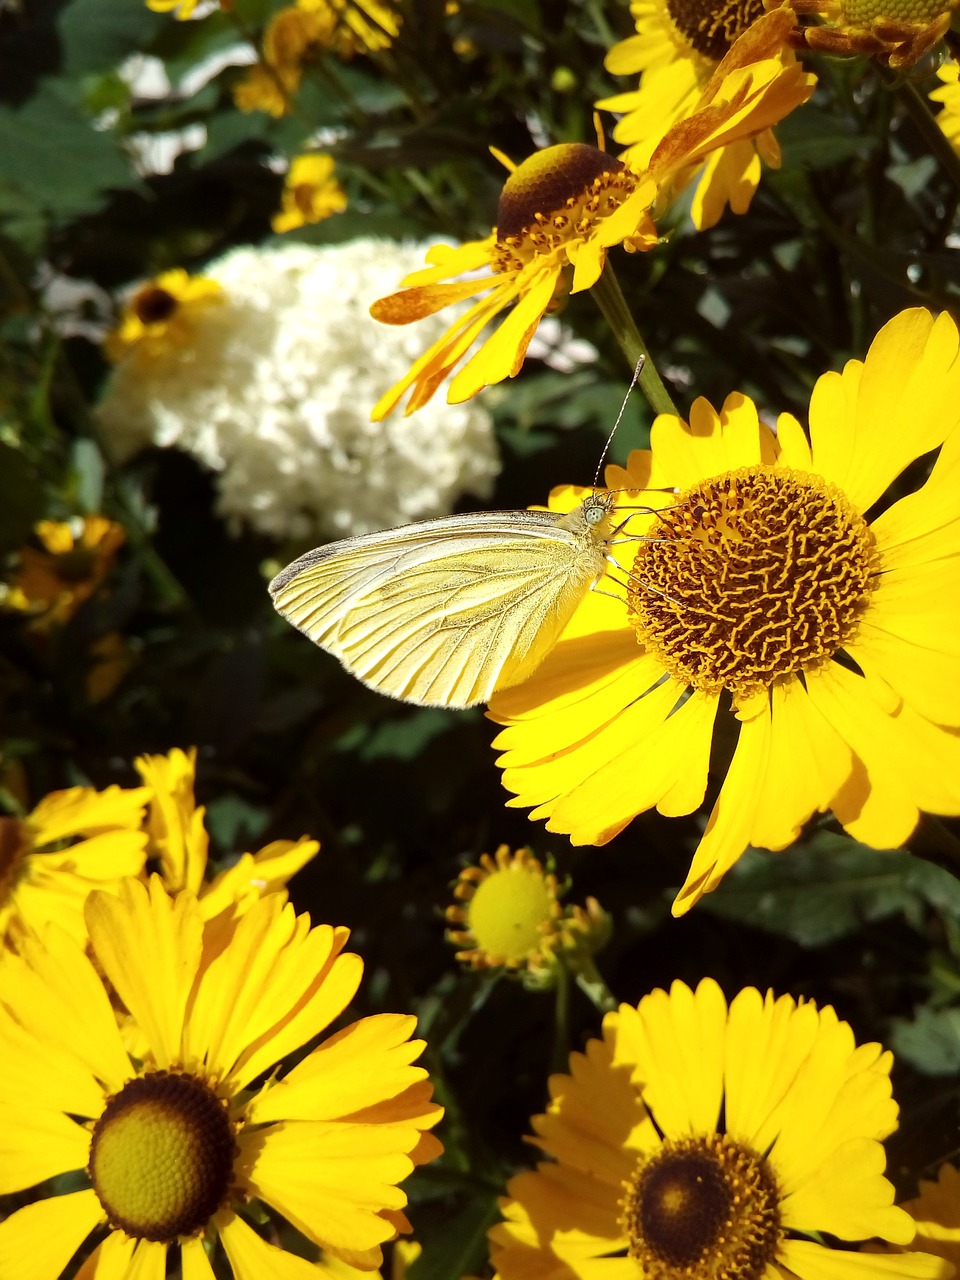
<point>751,576</point>
<point>556,196</point>
<point>865,12</point>
<point>161,1156</point>
<point>703,1207</point>
<point>711,26</point>
<point>510,911</point>
<point>153,304</point>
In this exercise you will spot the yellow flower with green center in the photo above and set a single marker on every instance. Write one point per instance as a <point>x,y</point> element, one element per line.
<point>948,118</point>
<point>769,601</point>
<point>560,212</point>
<point>310,193</point>
<point>159,318</point>
<point>898,33</point>
<point>509,916</point>
<point>74,558</point>
<point>936,1211</point>
<point>183,1149</point>
<point>678,47</point>
<point>698,1141</point>
<point>179,842</point>
<point>72,842</point>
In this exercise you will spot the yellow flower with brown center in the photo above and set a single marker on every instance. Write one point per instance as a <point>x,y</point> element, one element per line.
<point>678,47</point>
<point>73,841</point>
<point>897,33</point>
<point>178,841</point>
<point>510,917</point>
<point>936,1211</point>
<point>698,1141</point>
<point>310,193</point>
<point>560,212</point>
<point>191,1143</point>
<point>52,583</point>
<point>159,318</point>
<point>948,118</point>
<point>769,601</point>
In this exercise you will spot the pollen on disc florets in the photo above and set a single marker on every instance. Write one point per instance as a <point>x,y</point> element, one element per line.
<point>705,1208</point>
<point>710,27</point>
<point>161,1156</point>
<point>557,196</point>
<point>751,576</point>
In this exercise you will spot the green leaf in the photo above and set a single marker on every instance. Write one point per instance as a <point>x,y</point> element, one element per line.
<point>817,892</point>
<point>458,1247</point>
<point>97,35</point>
<point>21,497</point>
<point>931,1042</point>
<point>52,157</point>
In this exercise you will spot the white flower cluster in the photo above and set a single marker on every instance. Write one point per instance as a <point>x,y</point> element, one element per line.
<point>275,393</point>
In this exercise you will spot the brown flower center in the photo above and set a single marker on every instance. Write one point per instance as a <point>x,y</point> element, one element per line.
<point>705,1208</point>
<point>557,195</point>
<point>752,576</point>
<point>153,305</point>
<point>711,26</point>
<point>162,1156</point>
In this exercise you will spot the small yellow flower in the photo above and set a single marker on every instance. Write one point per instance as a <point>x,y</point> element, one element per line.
<point>178,840</point>
<point>188,1144</point>
<point>159,318</point>
<point>184,8</point>
<point>698,1140</point>
<point>768,603</point>
<point>936,1211</point>
<point>310,193</point>
<point>72,842</point>
<point>76,556</point>
<point>511,917</point>
<point>897,33</point>
<point>559,214</point>
<point>948,118</point>
<point>372,24</point>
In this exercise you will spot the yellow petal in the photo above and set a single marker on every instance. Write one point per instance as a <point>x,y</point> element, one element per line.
<point>42,1238</point>
<point>252,1258</point>
<point>812,1261</point>
<point>36,1145</point>
<point>848,1197</point>
<point>194,1262</point>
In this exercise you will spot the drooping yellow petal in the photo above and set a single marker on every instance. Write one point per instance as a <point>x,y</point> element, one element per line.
<point>850,1198</point>
<point>194,1262</point>
<point>36,1145</point>
<point>47,1072</point>
<point>812,1261</point>
<point>40,1239</point>
<point>253,1258</point>
<point>502,354</point>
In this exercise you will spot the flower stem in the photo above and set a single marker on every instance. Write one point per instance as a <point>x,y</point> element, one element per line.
<point>593,986</point>
<point>926,122</point>
<point>609,298</point>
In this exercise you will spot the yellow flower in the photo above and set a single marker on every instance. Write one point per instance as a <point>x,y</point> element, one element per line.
<point>54,582</point>
<point>310,193</point>
<point>897,33</point>
<point>160,316</point>
<point>948,118</point>
<point>559,213</point>
<point>179,842</point>
<point>767,581</point>
<point>184,8</point>
<point>72,842</point>
<point>512,917</point>
<point>697,1141</point>
<point>373,25</point>
<point>676,51</point>
<point>177,1148</point>
<point>936,1211</point>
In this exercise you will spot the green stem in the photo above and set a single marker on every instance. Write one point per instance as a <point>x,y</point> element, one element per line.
<point>609,298</point>
<point>919,111</point>
<point>593,986</point>
<point>560,1052</point>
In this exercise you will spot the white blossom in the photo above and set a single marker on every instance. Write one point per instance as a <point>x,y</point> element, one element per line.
<point>275,390</point>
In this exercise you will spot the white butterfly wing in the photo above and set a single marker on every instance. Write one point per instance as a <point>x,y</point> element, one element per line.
<point>443,612</point>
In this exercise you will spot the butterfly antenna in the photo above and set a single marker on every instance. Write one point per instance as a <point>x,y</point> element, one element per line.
<point>606,448</point>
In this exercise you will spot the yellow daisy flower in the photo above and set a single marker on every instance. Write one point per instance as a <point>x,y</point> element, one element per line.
<point>310,193</point>
<point>676,51</point>
<point>948,118</point>
<point>898,33</point>
<point>160,316</point>
<point>53,582</point>
<point>184,8</point>
<point>72,842</point>
<point>173,1150</point>
<point>768,581</point>
<point>560,212</point>
<point>697,1141</point>
<point>179,842</point>
<point>511,918</point>
<point>936,1211</point>
<point>372,24</point>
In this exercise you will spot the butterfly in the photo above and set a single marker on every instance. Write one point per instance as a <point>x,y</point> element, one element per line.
<point>444,612</point>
